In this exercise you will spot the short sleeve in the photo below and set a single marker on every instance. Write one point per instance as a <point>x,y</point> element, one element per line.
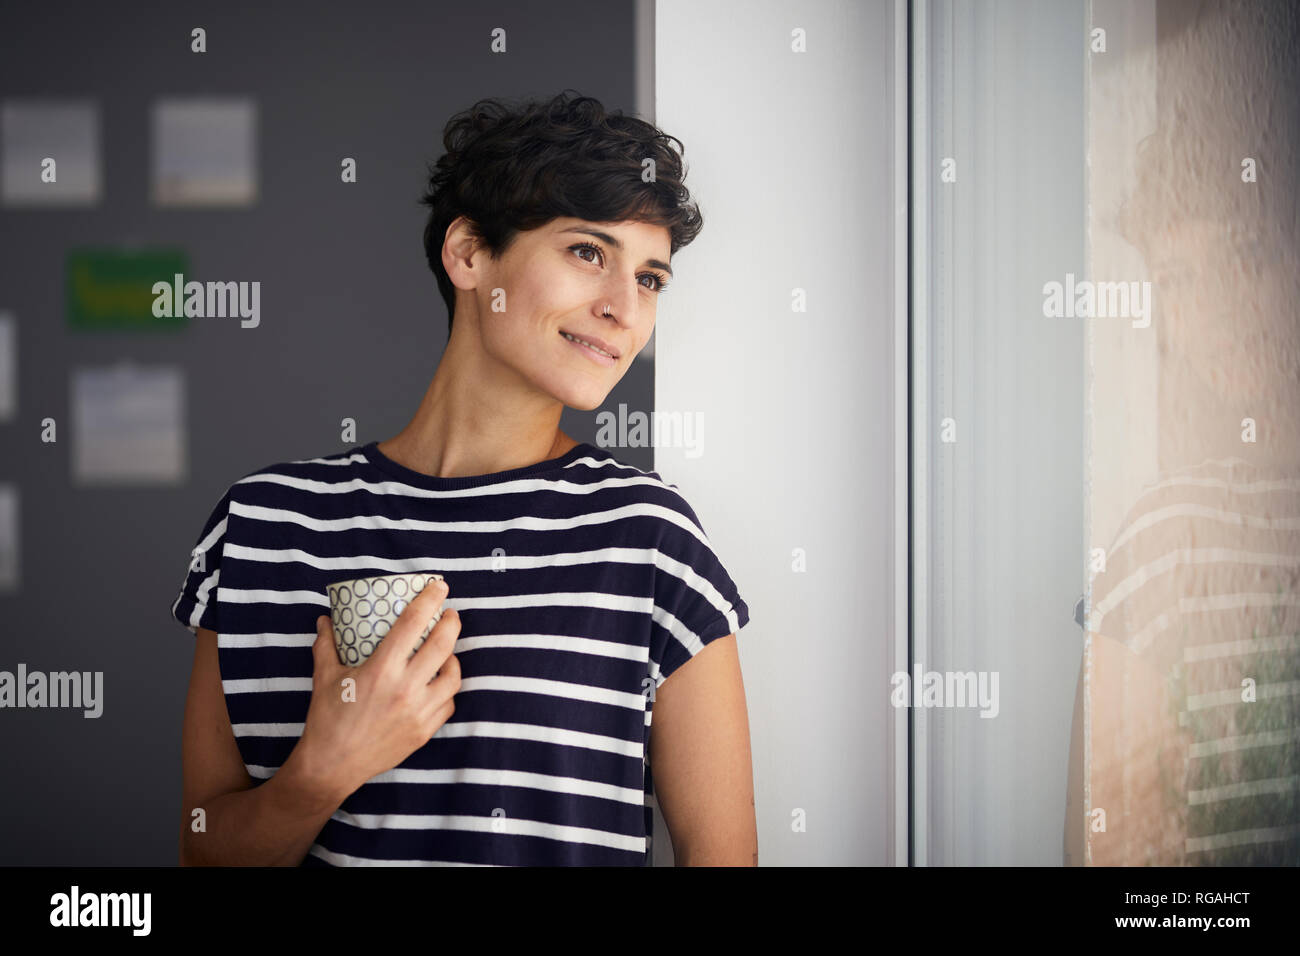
<point>196,605</point>
<point>696,601</point>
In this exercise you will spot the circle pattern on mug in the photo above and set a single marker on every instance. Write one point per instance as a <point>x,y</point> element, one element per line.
<point>364,610</point>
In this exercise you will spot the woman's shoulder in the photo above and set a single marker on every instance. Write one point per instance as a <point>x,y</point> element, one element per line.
<point>616,473</point>
<point>287,475</point>
<point>648,496</point>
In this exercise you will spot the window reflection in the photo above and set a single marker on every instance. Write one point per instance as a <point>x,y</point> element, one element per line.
<point>1190,724</point>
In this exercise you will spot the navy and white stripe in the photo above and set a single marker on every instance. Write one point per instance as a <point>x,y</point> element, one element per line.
<point>1202,590</point>
<point>582,584</point>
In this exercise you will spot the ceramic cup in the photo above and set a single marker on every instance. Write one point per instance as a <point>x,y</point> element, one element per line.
<point>363,609</point>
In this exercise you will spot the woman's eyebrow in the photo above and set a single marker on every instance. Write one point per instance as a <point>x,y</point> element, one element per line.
<point>606,237</point>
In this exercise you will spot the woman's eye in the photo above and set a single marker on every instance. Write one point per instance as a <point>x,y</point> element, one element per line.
<point>587,247</point>
<point>659,285</point>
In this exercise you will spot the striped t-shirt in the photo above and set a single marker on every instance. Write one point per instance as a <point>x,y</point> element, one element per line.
<point>581,582</point>
<point>1195,675</point>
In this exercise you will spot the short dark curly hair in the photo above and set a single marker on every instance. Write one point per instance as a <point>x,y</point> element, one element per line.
<point>514,167</point>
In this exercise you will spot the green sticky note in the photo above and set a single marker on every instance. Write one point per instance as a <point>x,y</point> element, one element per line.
<point>112,289</point>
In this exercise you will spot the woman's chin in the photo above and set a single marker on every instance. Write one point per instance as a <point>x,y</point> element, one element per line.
<point>589,404</point>
<point>580,400</point>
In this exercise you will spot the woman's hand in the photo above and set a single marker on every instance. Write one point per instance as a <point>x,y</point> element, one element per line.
<point>395,705</point>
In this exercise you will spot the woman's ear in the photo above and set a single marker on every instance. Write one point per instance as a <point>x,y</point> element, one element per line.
<point>459,248</point>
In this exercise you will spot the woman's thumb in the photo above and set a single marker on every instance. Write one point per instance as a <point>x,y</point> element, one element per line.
<point>323,648</point>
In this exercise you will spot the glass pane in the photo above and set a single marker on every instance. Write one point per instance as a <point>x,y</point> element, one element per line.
<point>1106,432</point>
<point>1191,713</point>
<point>998,421</point>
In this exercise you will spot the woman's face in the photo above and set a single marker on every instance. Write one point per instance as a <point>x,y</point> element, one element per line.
<point>554,284</point>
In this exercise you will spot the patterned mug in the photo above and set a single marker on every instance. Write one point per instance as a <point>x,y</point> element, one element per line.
<point>363,609</point>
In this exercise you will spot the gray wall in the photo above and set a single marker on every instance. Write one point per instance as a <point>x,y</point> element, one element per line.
<point>101,567</point>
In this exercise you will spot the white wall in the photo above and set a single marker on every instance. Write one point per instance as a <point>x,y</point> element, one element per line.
<point>792,157</point>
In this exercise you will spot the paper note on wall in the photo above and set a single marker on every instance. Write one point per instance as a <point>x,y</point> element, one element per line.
<point>128,425</point>
<point>204,152</point>
<point>49,153</point>
<point>111,288</point>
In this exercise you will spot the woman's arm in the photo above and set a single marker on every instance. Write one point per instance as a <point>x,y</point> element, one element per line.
<point>700,760</point>
<point>270,825</point>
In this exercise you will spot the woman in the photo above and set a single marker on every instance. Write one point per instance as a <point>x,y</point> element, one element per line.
<point>577,584</point>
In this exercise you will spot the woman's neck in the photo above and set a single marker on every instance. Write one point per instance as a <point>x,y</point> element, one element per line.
<point>478,417</point>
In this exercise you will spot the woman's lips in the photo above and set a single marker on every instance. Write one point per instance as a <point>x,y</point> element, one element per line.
<point>605,360</point>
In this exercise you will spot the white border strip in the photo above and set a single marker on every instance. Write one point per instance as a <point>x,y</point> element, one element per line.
<point>1089,425</point>
<point>901,379</point>
<point>918,382</point>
